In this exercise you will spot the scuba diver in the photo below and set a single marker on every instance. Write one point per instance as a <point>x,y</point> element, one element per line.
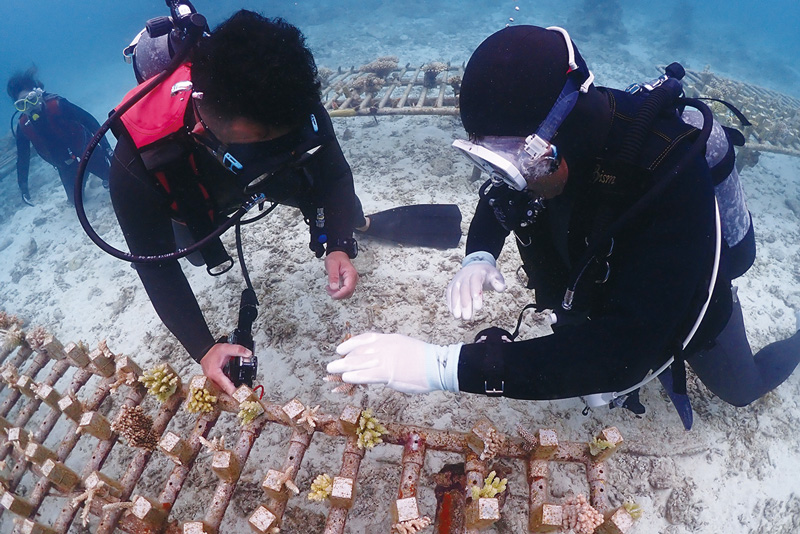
<point>58,130</point>
<point>239,123</point>
<point>611,197</point>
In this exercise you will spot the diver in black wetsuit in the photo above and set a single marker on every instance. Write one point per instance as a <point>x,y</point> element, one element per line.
<point>627,286</point>
<point>59,131</point>
<point>248,98</point>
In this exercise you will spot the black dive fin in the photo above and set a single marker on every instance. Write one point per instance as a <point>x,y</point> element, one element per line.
<point>422,225</point>
<point>681,401</point>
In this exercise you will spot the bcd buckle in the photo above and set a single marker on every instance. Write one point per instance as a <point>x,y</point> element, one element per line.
<point>494,392</point>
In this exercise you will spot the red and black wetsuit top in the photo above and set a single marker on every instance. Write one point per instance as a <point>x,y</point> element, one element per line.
<point>59,132</point>
<point>156,146</point>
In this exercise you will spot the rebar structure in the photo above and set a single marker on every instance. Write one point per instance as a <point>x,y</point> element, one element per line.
<point>775,117</point>
<point>384,88</point>
<point>31,370</point>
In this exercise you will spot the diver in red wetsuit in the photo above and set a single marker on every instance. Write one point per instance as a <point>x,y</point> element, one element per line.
<point>58,130</point>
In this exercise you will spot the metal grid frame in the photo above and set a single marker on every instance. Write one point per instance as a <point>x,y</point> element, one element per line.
<point>50,361</point>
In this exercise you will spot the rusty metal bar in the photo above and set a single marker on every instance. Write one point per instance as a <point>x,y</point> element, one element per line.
<point>44,428</point>
<point>413,460</point>
<point>224,490</point>
<point>167,411</point>
<point>421,100</point>
<point>394,111</point>
<point>298,445</point>
<point>395,84</point>
<point>179,473</point>
<point>37,365</point>
<point>43,485</point>
<point>596,474</point>
<point>30,408</point>
<point>409,86</point>
<point>351,463</point>
<point>538,473</point>
<point>101,452</point>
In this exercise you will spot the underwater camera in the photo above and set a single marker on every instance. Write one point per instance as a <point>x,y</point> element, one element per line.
<point>242,370</point>
<point>162,38</point>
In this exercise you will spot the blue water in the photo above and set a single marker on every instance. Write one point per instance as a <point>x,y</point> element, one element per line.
<point>77,45</point>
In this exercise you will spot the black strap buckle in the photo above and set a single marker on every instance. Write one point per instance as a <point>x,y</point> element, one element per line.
<point>494,392</point>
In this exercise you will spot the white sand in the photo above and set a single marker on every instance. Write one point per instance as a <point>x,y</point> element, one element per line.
<point>735,472</point>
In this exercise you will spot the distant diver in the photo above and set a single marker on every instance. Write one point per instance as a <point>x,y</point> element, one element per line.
<point>58,130</point>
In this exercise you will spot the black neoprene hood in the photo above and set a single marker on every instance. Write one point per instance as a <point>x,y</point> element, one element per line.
<point>513,79</point>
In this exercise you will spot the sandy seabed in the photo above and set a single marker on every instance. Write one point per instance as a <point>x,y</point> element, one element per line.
<point>735,472</point>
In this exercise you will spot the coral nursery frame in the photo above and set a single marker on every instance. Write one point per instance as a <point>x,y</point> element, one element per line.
<point>32,369</point>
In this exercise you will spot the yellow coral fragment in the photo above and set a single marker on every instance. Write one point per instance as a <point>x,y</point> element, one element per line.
<point>200,400</point>
<point>160,381</point>
<point>596,446</point>
<point>634,509</point>
<point>248,411</point>
<point>321,488</point>
<point>492,487</point>
<point>369,430</point>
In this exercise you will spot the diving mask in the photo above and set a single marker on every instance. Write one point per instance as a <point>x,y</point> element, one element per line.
<point>254,163</point>
<point>511,160</point>
<point>32,100</point>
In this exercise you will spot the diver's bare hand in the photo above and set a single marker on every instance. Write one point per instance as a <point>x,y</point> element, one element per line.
<point>215,360</point>
<point>342,276</point>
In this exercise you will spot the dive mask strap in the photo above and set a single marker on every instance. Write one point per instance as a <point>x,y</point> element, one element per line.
<point>217,148</point>
<point>577,82</point>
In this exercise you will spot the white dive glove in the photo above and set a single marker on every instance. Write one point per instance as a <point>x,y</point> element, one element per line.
<point>465,292</point>
<point>403,363</point>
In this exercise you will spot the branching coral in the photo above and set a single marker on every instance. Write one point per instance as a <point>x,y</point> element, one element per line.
<point>160,381</point>
<point>321,488</point>
<point>9,374</point>
<point>412,526</point>
<point>381,67</point>
<point>126,378</point>
<point>431,71</point>
<point>12,334</point>
<point>248,411</point>
<point>492,486</point>
<point>369,84</point>
<point>200,400</point>
<point>579,516</point>
<point>596,446</point>
<point>369,430</point>
<point>634,509</point>
<point>7,320</point>
<point>37,338</point>
<point>455,83</point>
<point>528,437</point>
<point>137,427</point>
<point>491,445</point>
<point>86,499</point>
<point>324,74</point>
<point>309,417</point>
<point>285,479</point>
<point>214,445</point>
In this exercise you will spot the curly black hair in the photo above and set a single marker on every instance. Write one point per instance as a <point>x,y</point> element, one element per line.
<point>23,81</point>
<point>257,68</point>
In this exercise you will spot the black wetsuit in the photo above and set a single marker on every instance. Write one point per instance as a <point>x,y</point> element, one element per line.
<point>59,133</point>
<point>658,274</point>
<point>146,212</point>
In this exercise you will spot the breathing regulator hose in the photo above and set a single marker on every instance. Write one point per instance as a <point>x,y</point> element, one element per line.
<point>194,31</point>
